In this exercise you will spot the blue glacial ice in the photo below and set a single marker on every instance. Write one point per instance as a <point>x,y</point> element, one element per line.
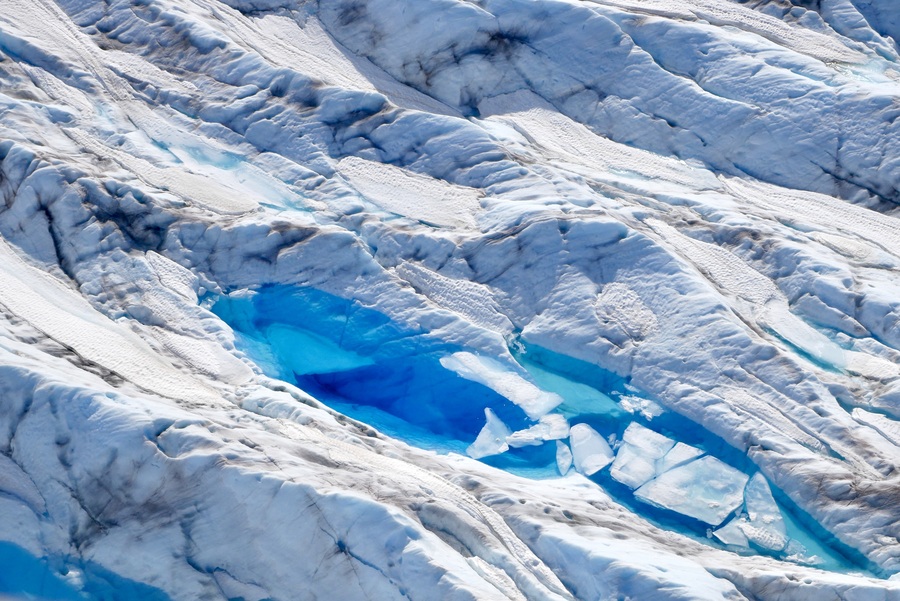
<point>25,576</point>
<point>660,472</point>
<point>305,353</point>
<point>351,355</point>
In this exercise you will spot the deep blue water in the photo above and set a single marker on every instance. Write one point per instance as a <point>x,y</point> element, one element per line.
<point>360,363</point>
<point>26,577</point>
<point>345,354</point>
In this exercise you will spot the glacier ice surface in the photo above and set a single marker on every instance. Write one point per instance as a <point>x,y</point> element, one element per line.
<point>268,265</point>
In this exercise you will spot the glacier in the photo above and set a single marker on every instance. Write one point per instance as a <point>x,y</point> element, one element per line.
<point>450,299</point>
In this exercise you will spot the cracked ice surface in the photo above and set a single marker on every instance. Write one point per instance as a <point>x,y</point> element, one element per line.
<point>270,267</point>
<point>705,489</point>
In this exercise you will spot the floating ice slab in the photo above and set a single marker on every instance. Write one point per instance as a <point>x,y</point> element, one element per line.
<point>492,438</point>
<point>705,489</point>
<point>638,455</point>
<point>765,525</point>
<point>493,374</point>
<point>680,454</point>
<point>563,457</point>
<point>732,534</point>
<point>644,407</point>
<point>550,427</point>
<point>578,398</point>
<point>590,452</point>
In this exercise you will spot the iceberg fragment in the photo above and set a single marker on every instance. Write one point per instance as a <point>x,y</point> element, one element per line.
<point>492,438</point>
<point>550,427</point>
<point>499,378</point>
<point>732,534</point>
<point>590,452</point>
<point>680,454</point>
<point>765,525</point>
<point>637,456</point>
<point>705,489</point>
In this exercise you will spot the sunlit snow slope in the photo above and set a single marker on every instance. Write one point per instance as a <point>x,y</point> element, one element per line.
<point>449,299</point>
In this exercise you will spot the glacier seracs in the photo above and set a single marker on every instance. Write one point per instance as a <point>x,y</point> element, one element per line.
<point>270,267</point>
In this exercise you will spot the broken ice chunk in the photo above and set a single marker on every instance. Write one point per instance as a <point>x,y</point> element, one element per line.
<point>705,489</point>
<point>796,552</point>
<point>680,454</point>
<point>590,452</point>
<point>765,526</point>
<point>501,379</point>
<point>647,408</point>
<point>555,426</point>
<point>732,534</point>
<point>492,438</point>
<point>550,427</point>
<point>563,457</point>
<point>638,455</point>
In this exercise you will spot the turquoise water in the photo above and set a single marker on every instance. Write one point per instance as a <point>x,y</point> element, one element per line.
<point>360,363</point>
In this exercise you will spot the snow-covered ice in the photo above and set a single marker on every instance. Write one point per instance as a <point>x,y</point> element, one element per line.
<point>504,381</point>
<point>563,457</point>
<point>552,426</point>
